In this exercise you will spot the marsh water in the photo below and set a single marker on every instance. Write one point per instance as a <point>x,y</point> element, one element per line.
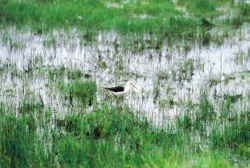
<point>169,78</point>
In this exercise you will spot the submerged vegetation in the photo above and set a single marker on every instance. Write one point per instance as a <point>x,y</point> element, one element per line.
<point>103,135</point>
<point>53,111</point>
<point>96,134</point>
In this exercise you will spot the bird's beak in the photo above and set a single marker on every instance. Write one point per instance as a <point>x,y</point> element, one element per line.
<point>135,88</point>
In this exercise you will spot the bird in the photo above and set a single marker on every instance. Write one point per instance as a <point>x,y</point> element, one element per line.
<point>121,90</point>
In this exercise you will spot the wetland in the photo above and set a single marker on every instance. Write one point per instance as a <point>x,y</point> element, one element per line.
<point>190,61</point>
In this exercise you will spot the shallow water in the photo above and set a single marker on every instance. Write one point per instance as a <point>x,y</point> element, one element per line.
<point>167,78</point>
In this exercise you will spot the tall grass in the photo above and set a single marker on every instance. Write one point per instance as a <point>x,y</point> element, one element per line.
<point>113,137</point>
<point>161,18</point>
<point>83,90</point>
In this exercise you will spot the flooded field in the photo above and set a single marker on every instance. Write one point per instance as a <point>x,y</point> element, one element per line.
<point>189,60</point>
<point>170,78</point>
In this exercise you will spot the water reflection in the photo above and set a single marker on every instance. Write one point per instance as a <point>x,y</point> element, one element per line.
<point>168,77</point>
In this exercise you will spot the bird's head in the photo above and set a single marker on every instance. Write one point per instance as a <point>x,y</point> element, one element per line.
<point>130,85</point>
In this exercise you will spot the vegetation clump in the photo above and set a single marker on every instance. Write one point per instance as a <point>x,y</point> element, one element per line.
<point>83,90</point>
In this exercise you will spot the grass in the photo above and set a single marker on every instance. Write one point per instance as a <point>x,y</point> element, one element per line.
<point>163,19</point>
<point>83,90</point>
<point>113,137</point>
<point>109,136</point>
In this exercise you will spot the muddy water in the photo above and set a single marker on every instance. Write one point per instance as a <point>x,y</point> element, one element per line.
<point>167,78</point>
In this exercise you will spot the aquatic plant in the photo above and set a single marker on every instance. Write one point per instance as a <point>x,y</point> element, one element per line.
<point>83,90</point>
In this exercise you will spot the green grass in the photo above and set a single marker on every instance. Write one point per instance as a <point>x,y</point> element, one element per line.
<point>202,8</point>
<point>109,136</point>
<point>32,135</point>
<point>163,18</point>
<point>83,90</point>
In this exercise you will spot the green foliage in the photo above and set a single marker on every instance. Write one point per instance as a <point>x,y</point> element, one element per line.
<point>160,18</point>
<point>106,133</point>
<point>234,136</point>
<point>199,6</point>
<point>17,142</point>
<point>185,122</point>
<point>56,73</point>
<point>188,70</point>
<point>30,106</point>
<point>75,74</point>
<point>241,16</point>
<point>109,136</point>
<point>206,110</point>
<point>83,90</point>
<point>108,123</point>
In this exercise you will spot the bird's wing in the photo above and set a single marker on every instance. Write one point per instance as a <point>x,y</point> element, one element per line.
<point>116,89</point>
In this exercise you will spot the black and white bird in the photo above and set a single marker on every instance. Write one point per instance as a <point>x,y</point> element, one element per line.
<point>121,90</point>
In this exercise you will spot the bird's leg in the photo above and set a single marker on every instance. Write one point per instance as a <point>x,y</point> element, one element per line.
<point>118,102</point>
<point>103,92</point>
